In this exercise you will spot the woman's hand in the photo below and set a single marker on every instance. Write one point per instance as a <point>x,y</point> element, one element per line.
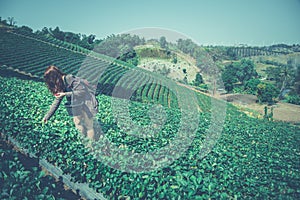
<point>44,121</point>
<point>60,94</point>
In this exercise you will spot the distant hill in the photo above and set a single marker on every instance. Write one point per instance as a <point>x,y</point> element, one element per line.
<point>180,61</point>
<point>170,63</point>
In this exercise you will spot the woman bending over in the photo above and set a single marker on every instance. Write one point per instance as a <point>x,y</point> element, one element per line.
<point>81,102</point>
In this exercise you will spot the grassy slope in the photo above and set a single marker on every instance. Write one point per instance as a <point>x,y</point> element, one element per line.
<point>176,70</point>
<point>261,67</point>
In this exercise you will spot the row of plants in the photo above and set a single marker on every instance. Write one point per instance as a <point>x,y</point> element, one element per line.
<point>34,55</point>
<point>241,52</point>
<point>22,178</point>
<point>49,39</point>
<point>34,51</point>
<point>251,159</point>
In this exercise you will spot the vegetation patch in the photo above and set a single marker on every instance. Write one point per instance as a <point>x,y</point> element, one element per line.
<point>252,159</point>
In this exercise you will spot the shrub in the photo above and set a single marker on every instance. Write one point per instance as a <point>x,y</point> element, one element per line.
<point>266,93</point>
<point>251,86</point>
<point>294,99</point>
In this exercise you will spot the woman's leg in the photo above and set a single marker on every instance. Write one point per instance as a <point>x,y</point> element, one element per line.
<point>78,124</point>
<point>89,126</point>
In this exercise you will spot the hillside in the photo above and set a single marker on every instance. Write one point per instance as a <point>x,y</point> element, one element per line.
<point>156,139</point>
<point>99,69</point>
<point>262,61</point>
<point>160,63</point>
<point>249,151</point>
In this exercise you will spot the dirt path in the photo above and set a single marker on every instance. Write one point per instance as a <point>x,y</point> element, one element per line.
<point>282,111</point>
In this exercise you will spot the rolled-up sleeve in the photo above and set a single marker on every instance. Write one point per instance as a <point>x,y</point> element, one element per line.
<point>78,90</point>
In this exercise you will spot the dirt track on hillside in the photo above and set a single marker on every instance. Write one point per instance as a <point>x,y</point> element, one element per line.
<point>282,111</point>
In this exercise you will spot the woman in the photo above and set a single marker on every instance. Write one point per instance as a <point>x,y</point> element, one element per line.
<point>82,104</point>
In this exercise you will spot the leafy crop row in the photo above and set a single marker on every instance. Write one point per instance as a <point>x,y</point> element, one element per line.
<point>253,159</point>
<point>32,54</point>
<point>22,178</point>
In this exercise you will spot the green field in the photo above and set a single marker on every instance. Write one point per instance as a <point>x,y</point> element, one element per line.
<point>248,159</point>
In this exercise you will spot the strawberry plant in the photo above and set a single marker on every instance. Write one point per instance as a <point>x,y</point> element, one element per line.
<point>106,72</point>
<point>253,159</point>
<point>22,178</point>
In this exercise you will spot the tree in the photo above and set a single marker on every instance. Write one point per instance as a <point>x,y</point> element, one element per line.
<point>245,70</point>
<point>11,21</point>
<point>287,76</point>
<point>229,77</point>
<point>231,54</point>
<point>297,80</point>
<point>266,93</point>
<point>186,46</point>
<point>273,73</point>
<point>251,86</point>
<point>185,80</point>
<point>58,34</point>
<point>72,37</point>
<point>238,73</point>
<point>25,30</point>
<point>117,45</point>
<point>198,80</point>
<point>91,38</point>
<point>174,58</point>
<point>128,54</point>
<point>163,42</point>
<point>4,22</point>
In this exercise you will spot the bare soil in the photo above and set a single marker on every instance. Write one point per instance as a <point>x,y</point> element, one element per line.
<point>282,111</point>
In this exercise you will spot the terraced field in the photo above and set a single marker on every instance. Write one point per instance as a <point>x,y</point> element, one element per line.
<point>154,143</point>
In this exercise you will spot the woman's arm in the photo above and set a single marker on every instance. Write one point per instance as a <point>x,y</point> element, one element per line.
<point>78,90</point>
<point>53,108</point>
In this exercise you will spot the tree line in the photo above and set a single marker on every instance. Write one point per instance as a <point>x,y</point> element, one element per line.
<point>238,76</point>
<point>280,80</point>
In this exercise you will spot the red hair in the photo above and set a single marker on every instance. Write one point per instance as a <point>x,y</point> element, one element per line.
<point>54,79</point>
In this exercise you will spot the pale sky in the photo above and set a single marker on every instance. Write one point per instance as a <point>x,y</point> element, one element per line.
<point>207,22</point>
